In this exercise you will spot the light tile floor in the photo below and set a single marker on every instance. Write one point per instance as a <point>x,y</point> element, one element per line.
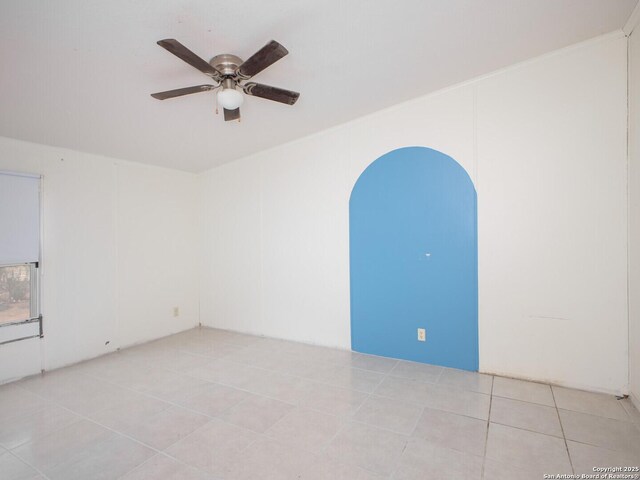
<point>212,404</point>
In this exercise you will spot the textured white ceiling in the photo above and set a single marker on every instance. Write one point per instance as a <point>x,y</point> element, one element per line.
<point>78,73</point>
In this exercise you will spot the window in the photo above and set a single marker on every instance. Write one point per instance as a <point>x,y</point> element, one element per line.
<point>18,293</point>
<point>19,257</point>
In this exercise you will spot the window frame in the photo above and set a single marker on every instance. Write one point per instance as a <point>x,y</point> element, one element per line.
<point>34,303</point>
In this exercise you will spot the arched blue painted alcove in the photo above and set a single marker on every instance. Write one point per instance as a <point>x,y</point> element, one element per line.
<point>413,258</point>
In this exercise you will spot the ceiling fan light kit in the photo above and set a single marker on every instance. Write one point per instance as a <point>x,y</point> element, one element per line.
<point>228,96</point>
<point>230,72</point>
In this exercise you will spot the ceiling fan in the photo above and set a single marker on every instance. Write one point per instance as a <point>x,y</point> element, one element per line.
<point>230,72</point>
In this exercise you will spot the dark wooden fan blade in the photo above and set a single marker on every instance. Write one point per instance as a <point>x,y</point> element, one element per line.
<point>271,93</point>
<point>182,91</point>
<point>188,56</point>
<point>231,114</point>
<point>267,55</point>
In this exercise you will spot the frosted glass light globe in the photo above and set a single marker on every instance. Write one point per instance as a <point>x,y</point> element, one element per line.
<point>230,98</point>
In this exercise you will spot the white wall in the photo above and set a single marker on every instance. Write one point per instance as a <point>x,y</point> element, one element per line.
<point>552,219</point>
<point>118,254</point>
<point>544,142</point>
<point>157,230</point>
<point>634,215</point>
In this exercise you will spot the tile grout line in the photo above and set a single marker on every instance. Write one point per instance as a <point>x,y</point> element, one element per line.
<point>526,430</point>
<point>166,455</point>
<point>564,437</point>
<point>388,375</point>
<point>344,418</point>
<point>486,438</point>
<point>40,472</point>
<point>352,417</point>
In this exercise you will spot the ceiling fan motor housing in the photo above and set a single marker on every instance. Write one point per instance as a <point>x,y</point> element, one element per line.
<point>226,64</point>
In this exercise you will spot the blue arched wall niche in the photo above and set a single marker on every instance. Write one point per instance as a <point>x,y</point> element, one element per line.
<point>413,259</point>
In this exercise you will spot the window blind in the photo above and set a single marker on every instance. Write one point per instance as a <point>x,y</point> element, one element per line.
<point>19,218</point>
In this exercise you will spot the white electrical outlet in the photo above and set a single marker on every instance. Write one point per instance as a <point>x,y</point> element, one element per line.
<point>176,311</point>
<point>422,335</point>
